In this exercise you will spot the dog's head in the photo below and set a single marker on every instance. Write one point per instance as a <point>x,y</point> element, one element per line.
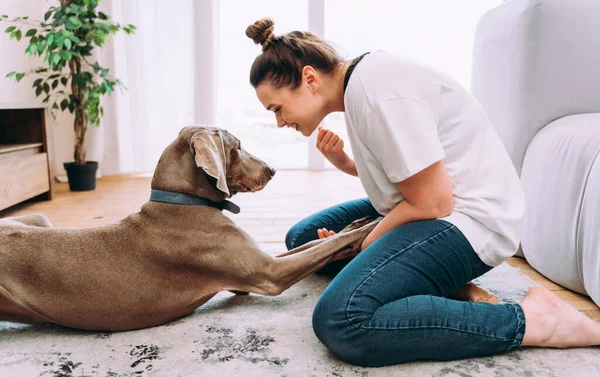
<point>209,162</point>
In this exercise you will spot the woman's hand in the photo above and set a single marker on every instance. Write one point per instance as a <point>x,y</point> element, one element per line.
<point>332,147</point>
<point>324,233</point>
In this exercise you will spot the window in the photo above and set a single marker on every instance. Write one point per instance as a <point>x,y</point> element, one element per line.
<point>238,108</point>
<point>436,32</point>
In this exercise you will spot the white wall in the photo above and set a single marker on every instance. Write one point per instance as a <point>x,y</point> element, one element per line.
<point>12,53</point>
<point>14,58</point>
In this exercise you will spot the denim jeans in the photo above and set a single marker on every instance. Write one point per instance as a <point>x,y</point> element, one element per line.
<point>389,305</point>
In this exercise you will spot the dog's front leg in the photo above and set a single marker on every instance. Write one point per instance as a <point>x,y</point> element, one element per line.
<point>356,224</point>
<point>280,273</point>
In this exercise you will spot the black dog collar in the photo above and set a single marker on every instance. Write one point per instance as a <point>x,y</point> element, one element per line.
<point>192,200</point>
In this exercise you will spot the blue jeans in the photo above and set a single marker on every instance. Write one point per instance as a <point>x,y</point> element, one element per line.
<point>389,305</point>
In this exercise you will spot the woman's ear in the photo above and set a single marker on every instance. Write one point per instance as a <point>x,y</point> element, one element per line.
<point>310,77</point>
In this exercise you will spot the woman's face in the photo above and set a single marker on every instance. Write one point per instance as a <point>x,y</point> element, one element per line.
<point>300,109</point>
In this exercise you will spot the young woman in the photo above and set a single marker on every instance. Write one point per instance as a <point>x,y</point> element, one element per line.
<point>433,166</point>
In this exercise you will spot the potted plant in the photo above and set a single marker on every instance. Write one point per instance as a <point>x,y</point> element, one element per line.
<point>66,38</point>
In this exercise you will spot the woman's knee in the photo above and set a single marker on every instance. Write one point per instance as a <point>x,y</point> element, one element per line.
<point>292,236</point>
<point>343,339</point>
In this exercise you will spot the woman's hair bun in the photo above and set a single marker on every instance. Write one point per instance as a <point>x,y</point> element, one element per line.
<point>261,32</point>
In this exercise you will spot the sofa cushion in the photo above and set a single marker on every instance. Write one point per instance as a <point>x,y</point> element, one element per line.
<point>588,241</point>
<point>561,180</point>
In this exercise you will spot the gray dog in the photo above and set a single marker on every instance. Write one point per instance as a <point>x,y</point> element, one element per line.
<point>163,262</point>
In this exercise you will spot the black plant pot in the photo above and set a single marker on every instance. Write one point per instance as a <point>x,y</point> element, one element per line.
<point>81,177</point>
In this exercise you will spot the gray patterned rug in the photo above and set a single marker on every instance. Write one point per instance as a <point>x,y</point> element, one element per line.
<point>257,336</point>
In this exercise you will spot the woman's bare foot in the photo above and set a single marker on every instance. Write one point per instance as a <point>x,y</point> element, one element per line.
<point>471,292</point>
<point>549,322</point>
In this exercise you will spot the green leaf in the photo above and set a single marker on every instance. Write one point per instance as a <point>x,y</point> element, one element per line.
<point>37,82</point>
<point>38,91</point>
<point>11,74</point>
<point>19,76</point>
<point>130,29</point>
<point>66,55</point>
<point>54,84</point>
<point>74,38</point>
<point>86,50</point>
<point>55,58</point>
<point>55,106</point>
<point>102,16</point>
<point>47,15</point>
<point>46,88</point>
<point>31,32</point>
<point>64,81</point>
<point>9,29</point>
<point>67,43</point>
<point>31,49</point>
<point>64,104</point>
<point>75,21</point>
<point>18,35</point>
<point>50,39</point>
<point>99,39</point>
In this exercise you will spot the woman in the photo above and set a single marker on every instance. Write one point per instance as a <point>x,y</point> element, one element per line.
<point>432,165</point>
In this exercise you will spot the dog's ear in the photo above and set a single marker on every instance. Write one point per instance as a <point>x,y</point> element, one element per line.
<point>209,153</point>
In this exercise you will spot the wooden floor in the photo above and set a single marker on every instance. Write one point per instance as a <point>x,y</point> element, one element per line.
<point>266,215</point>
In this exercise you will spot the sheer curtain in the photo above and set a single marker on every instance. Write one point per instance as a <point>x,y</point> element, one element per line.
<point>169,69</point>
<point>184,50</point>
<point>238,108</point>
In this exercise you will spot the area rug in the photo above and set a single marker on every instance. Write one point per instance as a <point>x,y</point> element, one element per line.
<point>258,336</point>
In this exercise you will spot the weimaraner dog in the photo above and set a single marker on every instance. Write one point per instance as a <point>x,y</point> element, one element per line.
<point>163,262</point>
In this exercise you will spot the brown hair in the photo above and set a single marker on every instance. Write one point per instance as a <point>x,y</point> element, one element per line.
<point>284,56</point>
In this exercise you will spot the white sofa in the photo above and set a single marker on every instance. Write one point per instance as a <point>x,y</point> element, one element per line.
<point>536,71</point>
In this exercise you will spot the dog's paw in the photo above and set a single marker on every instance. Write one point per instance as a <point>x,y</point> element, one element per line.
<point>240,293</point>
<point>357,224</point>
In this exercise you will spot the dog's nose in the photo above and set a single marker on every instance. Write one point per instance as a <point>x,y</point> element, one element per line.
<point>272,171</point>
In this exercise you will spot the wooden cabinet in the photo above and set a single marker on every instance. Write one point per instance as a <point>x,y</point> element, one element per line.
<point>25,163</point>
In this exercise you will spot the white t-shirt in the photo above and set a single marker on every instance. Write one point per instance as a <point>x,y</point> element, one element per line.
<point>402,117</point>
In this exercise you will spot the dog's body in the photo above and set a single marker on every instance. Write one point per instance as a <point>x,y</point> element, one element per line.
<point>161,263</point>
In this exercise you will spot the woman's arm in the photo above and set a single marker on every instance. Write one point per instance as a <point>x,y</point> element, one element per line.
<point>427,195</point>
<point>332,147</point>
<point>349,167</point>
